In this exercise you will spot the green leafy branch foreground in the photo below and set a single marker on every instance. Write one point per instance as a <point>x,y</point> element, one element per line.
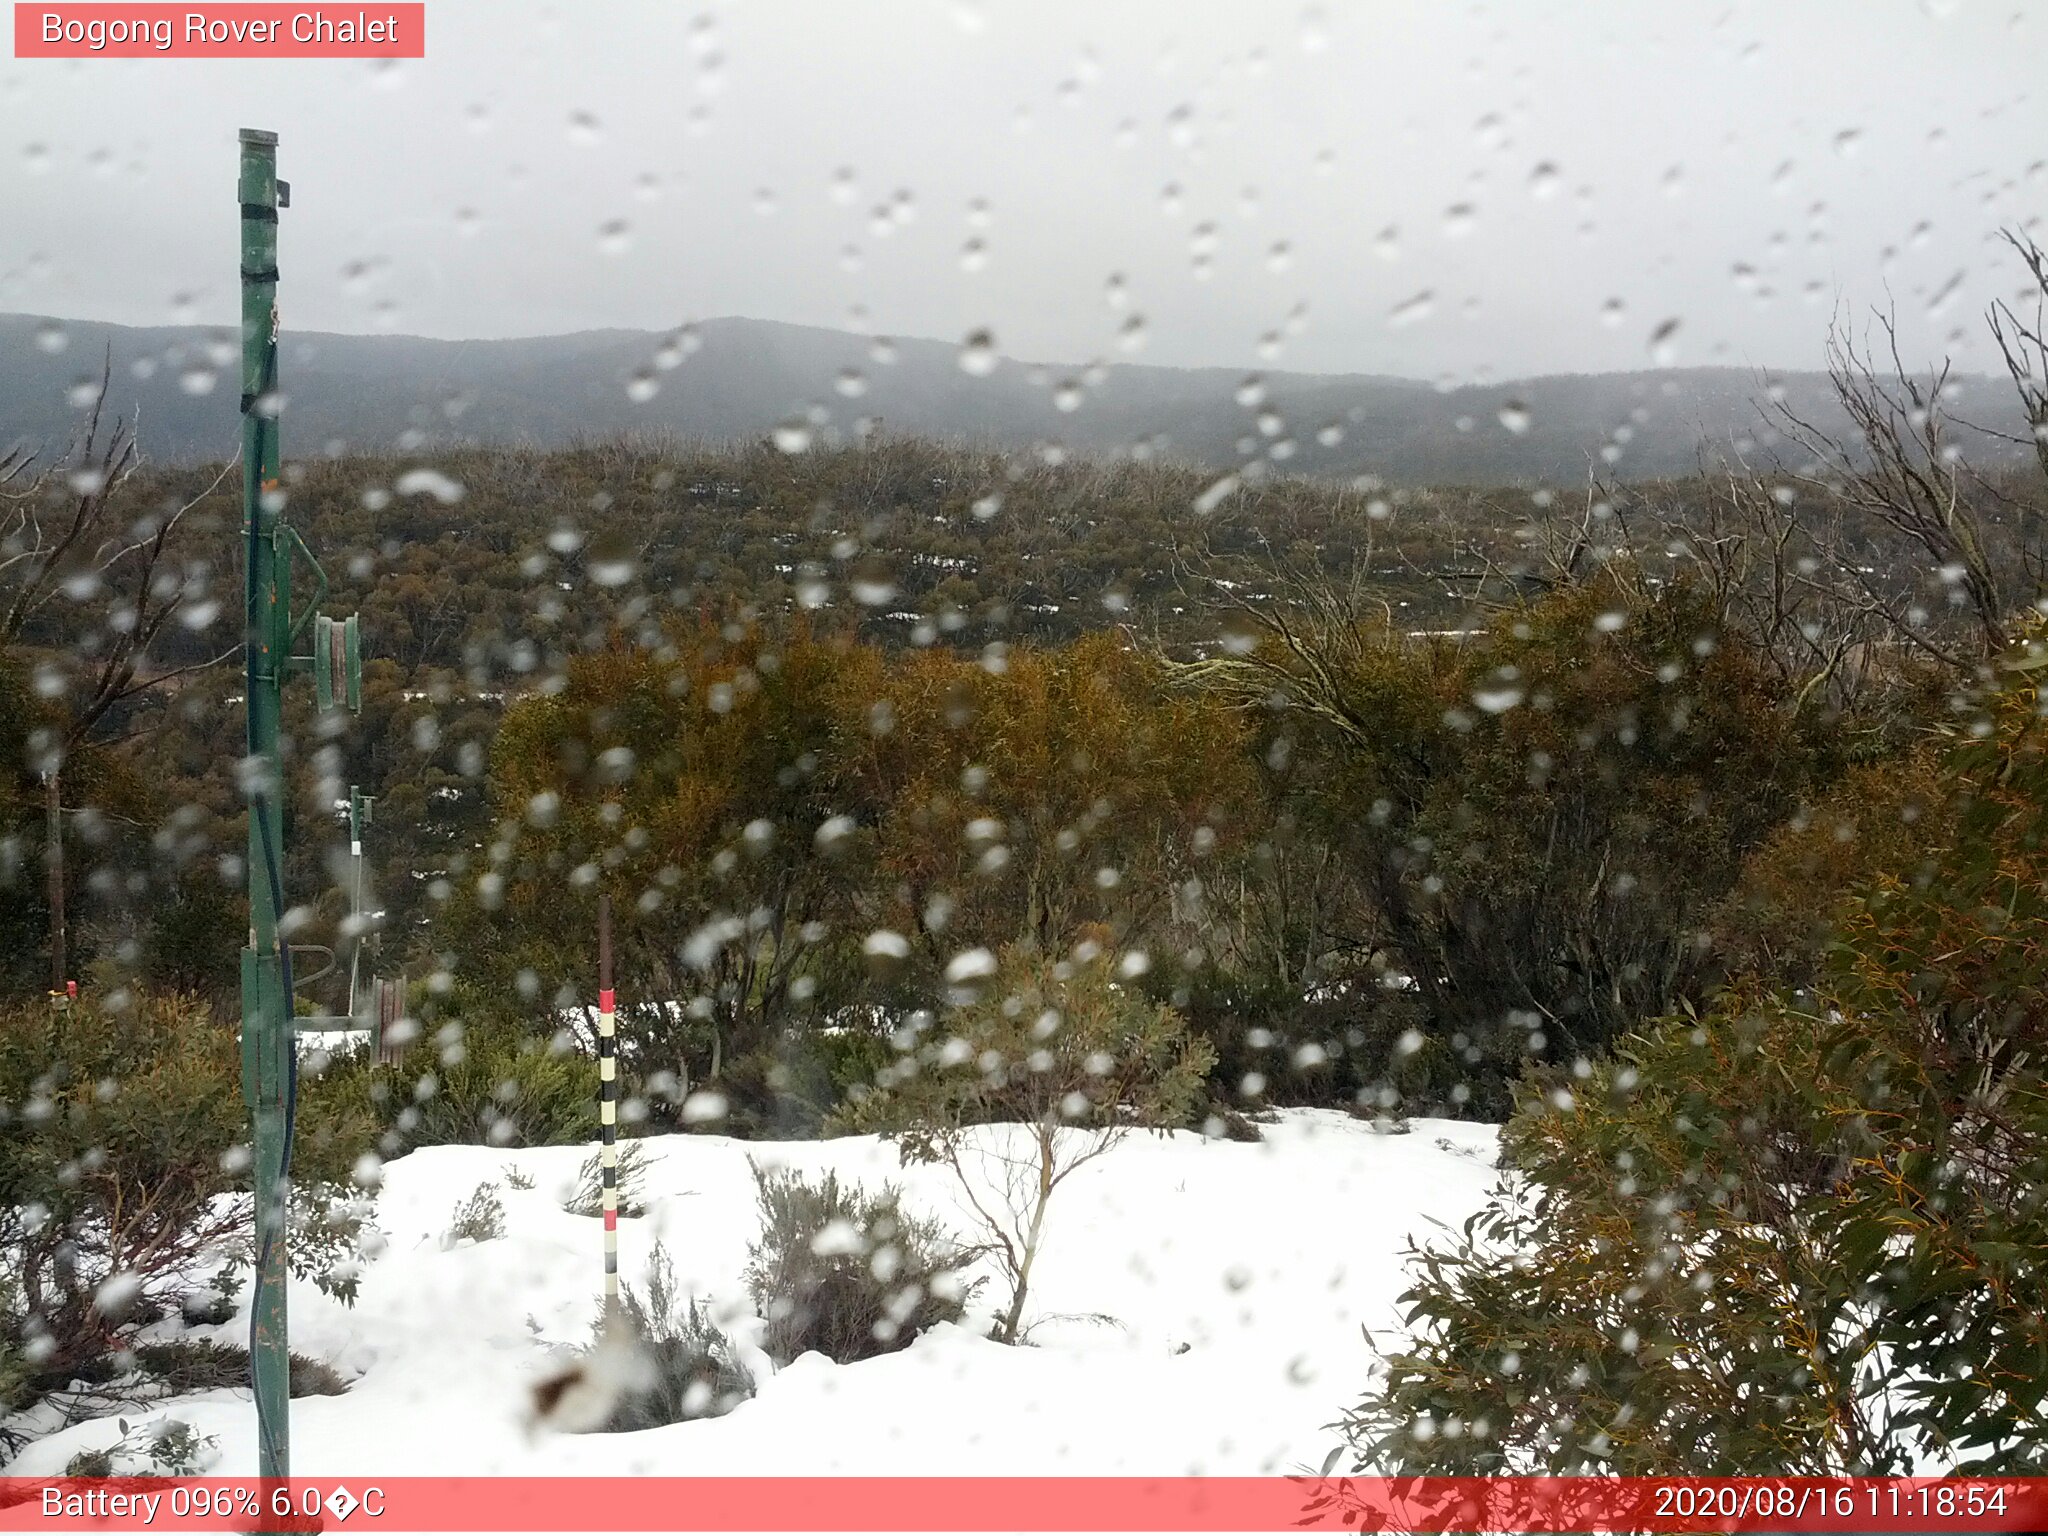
<point>1801,1230</point>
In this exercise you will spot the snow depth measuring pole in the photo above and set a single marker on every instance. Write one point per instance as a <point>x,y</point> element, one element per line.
<point>608,1103</point>
<point>270,1056</point>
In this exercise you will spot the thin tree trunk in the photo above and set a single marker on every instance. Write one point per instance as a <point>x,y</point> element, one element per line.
<point>1016,1312</point>
<point>53,855</point>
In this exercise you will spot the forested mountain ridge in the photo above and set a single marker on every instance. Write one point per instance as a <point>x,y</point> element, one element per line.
<point>732,379</point>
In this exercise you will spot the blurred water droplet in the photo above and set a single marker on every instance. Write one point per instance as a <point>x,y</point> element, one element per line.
<point>973,256</point>
<point>1498,701</point>
<point>642,387</point>
<point>610,559</point>
<point>1068,396</point>
<point>793,437</point>
<point>1387,243</point>
<point>1117,291</point>
<point>1252,392</point>
<point>51,337</point>
<point>1459,219</point>
<point>1218,492</point>
<point>1545,180</point>
<point>1613,312</point>
<point>82,393</point>
<point>1663,351</point>
<point>978,354</point>
<point>197,381</point>
<point>1280,257</point>
<point>851,383</point>
<point>37,158</point>
<point>1315,30</point>
<point>614,237</point>
<point>764,201</point>
<point>430,482</point>
<point>584,129</point>
<point>1514,415</point>
<point>1848,141</point>
<point>1130,335</point>
<point>1414,308</point>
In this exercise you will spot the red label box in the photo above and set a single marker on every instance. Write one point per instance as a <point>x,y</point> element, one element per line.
<point>239,31</point>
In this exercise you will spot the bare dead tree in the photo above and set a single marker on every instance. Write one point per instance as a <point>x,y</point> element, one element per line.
<point>62,532</point>
<point>2023,344</point>
<point>1904,470</point>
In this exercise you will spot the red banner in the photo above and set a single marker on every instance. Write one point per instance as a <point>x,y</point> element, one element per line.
<point>247,31</point>
<point>1194,1504</point>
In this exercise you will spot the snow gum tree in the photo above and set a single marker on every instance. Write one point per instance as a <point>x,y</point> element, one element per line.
<point>1801,1231</point>
<point>1038,1071</point>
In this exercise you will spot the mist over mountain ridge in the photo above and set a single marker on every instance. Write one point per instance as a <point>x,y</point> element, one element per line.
<point>735,378</point>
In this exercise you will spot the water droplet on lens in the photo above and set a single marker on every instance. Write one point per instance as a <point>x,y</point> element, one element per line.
<point>52,338</point>
<point>1412,309</point>
<point>978,354</point>
<point>1498,701</point>
<point>851,383</point>
<point>610,559</point>
<point>584,128</point>
<point>1514,415</point>
<point>614,236</point>
<point>793,437</point>
<point>1545,180</point>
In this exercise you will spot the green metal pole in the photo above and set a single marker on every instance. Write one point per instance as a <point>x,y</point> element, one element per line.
<point>268,1046</point>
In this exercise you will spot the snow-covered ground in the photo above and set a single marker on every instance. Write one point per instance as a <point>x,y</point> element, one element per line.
<point>1238,1277</point>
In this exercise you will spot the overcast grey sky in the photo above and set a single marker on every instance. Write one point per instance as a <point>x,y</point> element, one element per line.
<point>1561,181</point>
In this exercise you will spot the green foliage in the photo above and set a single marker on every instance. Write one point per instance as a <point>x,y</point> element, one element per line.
<point>481,1083</point>
<point>1538,819</point>
<point>184,1366</point>
<point>681,1365</point>
<point>1802,1232</point>
<point>480,1218</point>
<point>845,1272</point>
<point>163,1448</point>
<point>122,1154</point>
<point>630,1184</point>
<point>1045,1065</point>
